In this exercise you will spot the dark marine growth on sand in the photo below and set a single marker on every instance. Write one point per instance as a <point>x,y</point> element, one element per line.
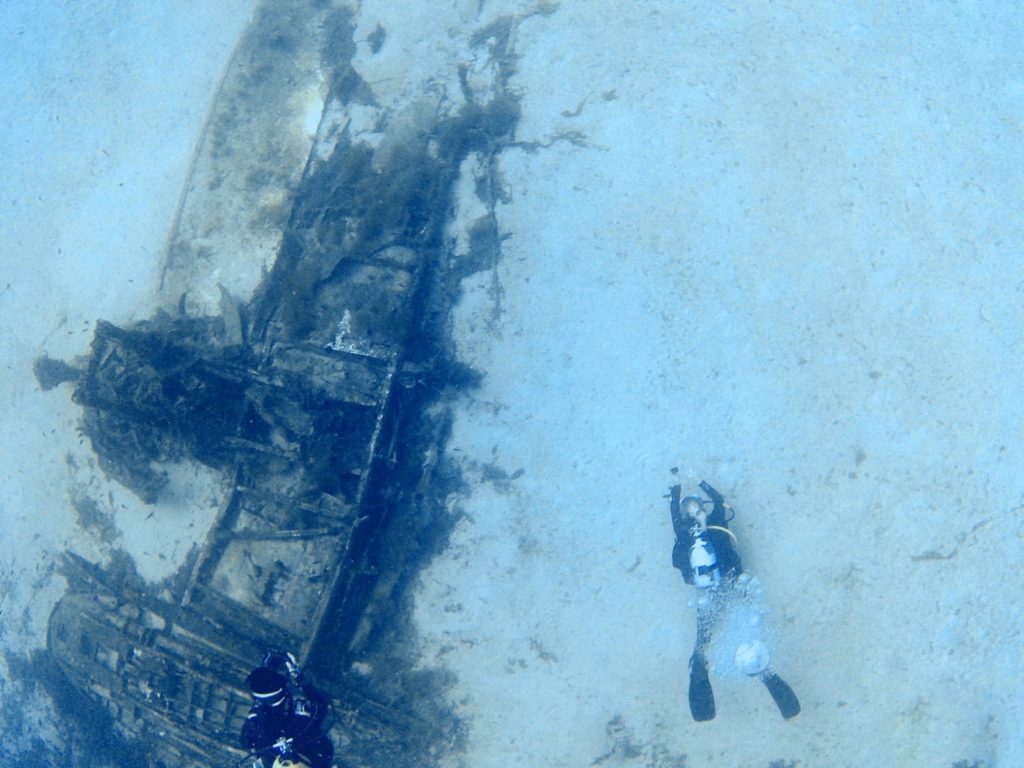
<point>319,403</point>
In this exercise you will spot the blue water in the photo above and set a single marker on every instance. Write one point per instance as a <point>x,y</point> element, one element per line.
<point>775,245</point>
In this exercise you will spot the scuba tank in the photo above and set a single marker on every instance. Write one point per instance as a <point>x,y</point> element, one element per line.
<point>704,561</point>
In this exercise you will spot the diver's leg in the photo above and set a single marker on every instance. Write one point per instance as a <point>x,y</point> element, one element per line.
<point>785,699</point>
<point>702,697</point>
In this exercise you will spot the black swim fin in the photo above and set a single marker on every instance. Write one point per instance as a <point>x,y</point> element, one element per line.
<point>783,695</point>
<point>702,698</point>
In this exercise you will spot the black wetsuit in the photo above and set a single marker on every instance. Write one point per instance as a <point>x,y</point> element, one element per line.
<point>299,718</point>
<point>729,566</point>
<point>728,559</point>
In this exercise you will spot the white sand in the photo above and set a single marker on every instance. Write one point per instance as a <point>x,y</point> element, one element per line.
<point>788,261</point>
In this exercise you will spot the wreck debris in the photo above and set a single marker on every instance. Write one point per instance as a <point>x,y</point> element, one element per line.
<point>313,399</point>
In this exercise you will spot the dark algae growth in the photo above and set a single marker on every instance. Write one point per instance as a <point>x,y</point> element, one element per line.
<point>320,402</point>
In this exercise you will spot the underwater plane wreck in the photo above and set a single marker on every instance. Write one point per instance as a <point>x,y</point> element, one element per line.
<point>316,402</point>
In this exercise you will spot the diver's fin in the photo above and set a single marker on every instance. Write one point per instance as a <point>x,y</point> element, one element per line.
<point>702,698</point>
<point>785,699</point>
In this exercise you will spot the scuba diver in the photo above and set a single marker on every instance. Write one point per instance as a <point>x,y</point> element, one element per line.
<point>705,553</point>
<point>283,728</point>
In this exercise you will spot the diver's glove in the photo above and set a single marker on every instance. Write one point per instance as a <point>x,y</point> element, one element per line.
<point>283,745</point>
<point>283,662</point>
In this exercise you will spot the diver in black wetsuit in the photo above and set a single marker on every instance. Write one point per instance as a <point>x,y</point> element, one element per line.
<point>284,726</point>
<point>705,553</point>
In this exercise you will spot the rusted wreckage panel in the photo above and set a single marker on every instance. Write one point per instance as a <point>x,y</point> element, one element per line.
<point>152,395</point>
<point>160,670</point>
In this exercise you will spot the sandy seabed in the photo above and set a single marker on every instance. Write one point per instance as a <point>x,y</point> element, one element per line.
<point>101,104</point>
<point>774,247</point>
